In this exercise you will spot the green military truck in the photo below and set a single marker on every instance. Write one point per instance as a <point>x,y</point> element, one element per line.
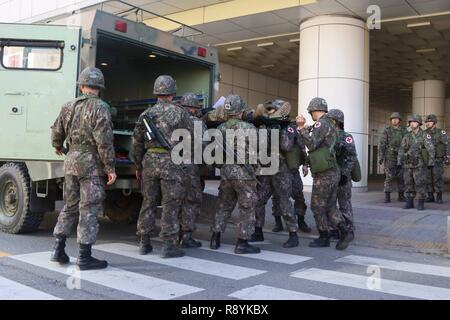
<point>38,73</point>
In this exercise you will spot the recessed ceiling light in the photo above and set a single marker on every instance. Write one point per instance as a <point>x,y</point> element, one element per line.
<point>104,64</point>
<point>268,66</point>
<point>425,50</point>
<point>294,40</point>
<point>419,24</point>
<point>234,49</point>
<point>152,56</point>
<point>265,44</point>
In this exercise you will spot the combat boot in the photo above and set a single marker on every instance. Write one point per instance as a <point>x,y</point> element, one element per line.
<point>278,224</point>
<point>345,237</point>
<point>145,245</point>
<point>421,204</point>
<point>215,241</point>
<point>258,235</point>
<point>302,224</point>
<point>243,247</point>
<point>59,255</point>
<point>409,203</point>
<point>292,241</point>
<point>430,197</point>
<point>321,242</point>
<point>334,235</point>
<point>439,198</point>
<point>387,197</point>
<point>188,242</point>
<point>401,197</point>
<point>86,261</point>
<point>170,250</point>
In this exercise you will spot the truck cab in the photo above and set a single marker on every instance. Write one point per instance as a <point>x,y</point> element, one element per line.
<point>39,66</point>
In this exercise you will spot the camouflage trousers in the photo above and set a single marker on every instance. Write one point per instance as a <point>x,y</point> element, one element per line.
<point>83,199</point>
<point>435,178</point>
<point>392,173</point>
<point>297,194</point>
<point>344,198</point>
<point>416,182</point>
<point>244,193</point>
<point>192,204</point>
<point>323,200</point>
<point>161,178</point>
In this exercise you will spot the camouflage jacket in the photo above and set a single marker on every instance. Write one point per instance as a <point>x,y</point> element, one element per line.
<point>345,152</point>
<point>197,122</point>
<point>441,144</point>
<point>390,143</point>
<point>416,150</point>
<point>89,136</point>
<point>321,134</point>
<point>167,117</point>
<point>238,171</point>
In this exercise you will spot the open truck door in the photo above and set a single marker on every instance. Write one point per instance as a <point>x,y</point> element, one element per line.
<point>38,72</point>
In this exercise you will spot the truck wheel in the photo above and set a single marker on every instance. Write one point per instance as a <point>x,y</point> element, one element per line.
<point>15,214</point>
<point>120,208</point>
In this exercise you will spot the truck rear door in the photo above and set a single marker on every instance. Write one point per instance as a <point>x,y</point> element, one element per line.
<point>38,72</point>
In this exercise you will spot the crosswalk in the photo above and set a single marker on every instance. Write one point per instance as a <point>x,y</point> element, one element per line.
<point>245,277</point>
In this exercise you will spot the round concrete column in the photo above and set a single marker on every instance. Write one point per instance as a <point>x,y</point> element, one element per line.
<point>334,65</point>
<point>429,97</point>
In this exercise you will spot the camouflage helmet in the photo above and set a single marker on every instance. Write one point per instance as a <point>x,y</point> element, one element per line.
<point>396,115</point>
<point>431,118</point>
<point>189,100</point>
<point>92,77</point>
<point>165,86</point>
<point>318,104</point>
<point>234,104</point>
<point>337,115</point>
<point>415,118</point>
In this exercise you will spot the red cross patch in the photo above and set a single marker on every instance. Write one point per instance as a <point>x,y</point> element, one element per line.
<point>317,125</point>
<point>349,140</point>
<point>290,130</point>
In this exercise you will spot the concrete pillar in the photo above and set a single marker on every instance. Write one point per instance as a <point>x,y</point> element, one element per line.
<point>429,97</point>
<point>334,65</point>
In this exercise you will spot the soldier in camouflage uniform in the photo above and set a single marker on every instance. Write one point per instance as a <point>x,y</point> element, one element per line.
<point>279,184</point>
<point>415,155</point>
<point>320,140</point>
<point>192,204</point>
<point>346,158</point>
<point>157,171</point>
<point>388,152</point>
<point>85,125</point>
<point>435,178</point>
<point>238,184</point>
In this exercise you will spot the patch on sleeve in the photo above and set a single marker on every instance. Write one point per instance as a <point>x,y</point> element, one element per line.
<point>290,130</point>
<point>317,125</point>
<point>428,136</point>
<point>349,140</point>
<point>443,132</point>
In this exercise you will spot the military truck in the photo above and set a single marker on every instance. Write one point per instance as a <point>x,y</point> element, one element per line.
<point>39,67</point>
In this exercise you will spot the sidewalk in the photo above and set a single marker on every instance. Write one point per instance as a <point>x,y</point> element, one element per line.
<point>377,224</point>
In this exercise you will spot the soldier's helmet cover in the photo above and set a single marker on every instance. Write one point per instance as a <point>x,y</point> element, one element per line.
<point>318,104</point>
<point>415,118</point>
<point>431,118</point>
<point>189,100</point>
<point>396,115</point>
<point>337,115</point>
<point>165,86</point>
<point>234,104</point>
<point>92,77</point>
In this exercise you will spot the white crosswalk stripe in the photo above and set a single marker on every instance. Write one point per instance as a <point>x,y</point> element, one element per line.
<point>262,292</point>
<point>405,289</point>
<point>218,269</point>
<point>118,279</point>
<point>11,290</point>
<point>397,265</point>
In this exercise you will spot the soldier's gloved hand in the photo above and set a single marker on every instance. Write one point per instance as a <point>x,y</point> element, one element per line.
<point>343,180</point>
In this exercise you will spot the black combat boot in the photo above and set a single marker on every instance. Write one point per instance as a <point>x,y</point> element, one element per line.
<point>278,224</point>
<point>439,198</point>
<point>321,242</point>
<point>334,234</point>
<point>145,245</point>
<point>292,241</point>
<point>215,241</point>
<point>188,242</point>
<point>401,197</point>
<point>421,204</point>
<point>258,235</point>
<point>170,250</point>
<point>243,247</point>
<point>430,197</point>
<point>345,237</point>
<point>302,224</point>
<point>387,197</point>
<point>409,203</point>
<point>86,261</point>
<point>58,254</point>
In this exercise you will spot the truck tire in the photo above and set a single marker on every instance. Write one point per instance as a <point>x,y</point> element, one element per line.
<point>122,209</point>
<point>15,187</point>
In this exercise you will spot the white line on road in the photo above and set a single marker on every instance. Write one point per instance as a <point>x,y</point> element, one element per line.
<point>397,265</point>
<point>261,292</point>
<point>11,290</point>
<point>217,269</point>
<point>118,279</point>
<point>375,285</point>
